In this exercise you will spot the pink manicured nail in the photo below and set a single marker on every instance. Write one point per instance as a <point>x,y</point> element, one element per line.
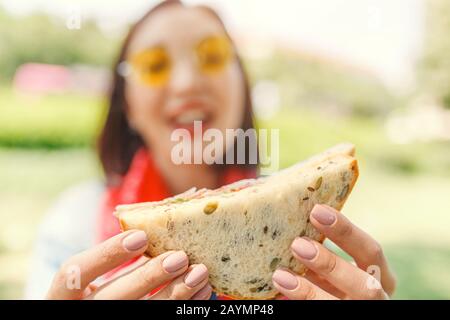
<point>175,261</point>
<point>304,248</point>
<point>196,275</point>
<point>285,279</point>
<point>324,215</point>
<point>135,241</point>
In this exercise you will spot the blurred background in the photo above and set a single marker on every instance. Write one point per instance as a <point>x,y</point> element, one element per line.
<point>373,72</point>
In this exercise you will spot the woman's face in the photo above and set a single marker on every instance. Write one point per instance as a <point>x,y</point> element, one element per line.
<point>186,76</point>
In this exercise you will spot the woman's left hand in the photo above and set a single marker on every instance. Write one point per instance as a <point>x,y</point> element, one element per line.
<point>329,276</point>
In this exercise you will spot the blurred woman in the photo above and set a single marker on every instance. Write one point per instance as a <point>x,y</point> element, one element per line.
<point>177,65</point>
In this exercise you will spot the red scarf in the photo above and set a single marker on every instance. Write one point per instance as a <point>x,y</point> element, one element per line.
<point>142,183</point>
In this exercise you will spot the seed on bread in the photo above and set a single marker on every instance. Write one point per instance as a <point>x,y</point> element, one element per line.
<point>264,287</point>
<point>210,207</point>
<point>274,263</point>
<point>254,280</point>
<point>343,193</point>
<point>318,183</point>
<point>275,234</point>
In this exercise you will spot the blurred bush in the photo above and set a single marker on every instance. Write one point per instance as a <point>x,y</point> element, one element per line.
<point>314,83</point>
<point>434,69</point>
<point>46,39</point>
<point>308,132</point>
<point>53,121</point>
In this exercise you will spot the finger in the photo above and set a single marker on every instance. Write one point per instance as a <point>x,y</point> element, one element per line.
<point>367,253</point>
<point>78,271</point>
<point>344,276</point>
<point>140,281</point>
<point>296,287</point>
<point>184,286</point>
<point>314,278</point>
<point>204,293</point>
<point>125,269</point>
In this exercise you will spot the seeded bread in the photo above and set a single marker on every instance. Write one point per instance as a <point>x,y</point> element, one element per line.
<point>242,232</point>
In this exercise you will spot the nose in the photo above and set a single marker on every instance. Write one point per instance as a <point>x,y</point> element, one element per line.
<point>185,79</point>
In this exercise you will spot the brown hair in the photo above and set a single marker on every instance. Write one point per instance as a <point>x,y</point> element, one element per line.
<point>117,142</point>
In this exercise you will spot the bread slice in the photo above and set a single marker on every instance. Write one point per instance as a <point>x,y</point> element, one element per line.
<point>242,232</point>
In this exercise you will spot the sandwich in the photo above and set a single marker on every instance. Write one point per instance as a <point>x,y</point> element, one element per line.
<point>242,232</point>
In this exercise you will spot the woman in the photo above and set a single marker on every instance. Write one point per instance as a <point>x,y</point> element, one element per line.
<point>177,65</point>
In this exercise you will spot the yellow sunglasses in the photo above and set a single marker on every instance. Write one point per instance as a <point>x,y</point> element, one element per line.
<point>152,66</point>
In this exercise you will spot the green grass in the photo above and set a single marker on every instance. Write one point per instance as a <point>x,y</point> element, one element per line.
<point>405,213</point>
<point>30,180</point>
<point>400,197</point>
<point>418,269</point>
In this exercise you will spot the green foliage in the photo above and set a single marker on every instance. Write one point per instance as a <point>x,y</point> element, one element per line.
<point>303,133</point>
<point>434,69</point>
<point>69,121</point>
<point>45,39</point>
<point>316,84</point>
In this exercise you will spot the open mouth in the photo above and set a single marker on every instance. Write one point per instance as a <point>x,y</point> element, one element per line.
<point>187,116</point>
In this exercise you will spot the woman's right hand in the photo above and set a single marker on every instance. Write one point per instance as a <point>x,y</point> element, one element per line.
<point>75,277</point>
